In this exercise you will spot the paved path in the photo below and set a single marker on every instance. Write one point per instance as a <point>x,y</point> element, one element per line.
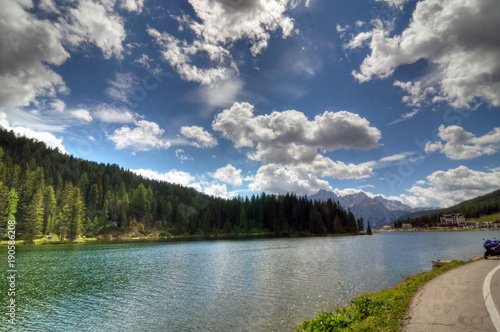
<point>454,301</point>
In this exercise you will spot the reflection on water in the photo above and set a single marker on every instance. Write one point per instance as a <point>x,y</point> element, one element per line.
<point>251,285</point>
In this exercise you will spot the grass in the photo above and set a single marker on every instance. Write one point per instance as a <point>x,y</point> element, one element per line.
<point>491,217</point>
<point>380,311</point>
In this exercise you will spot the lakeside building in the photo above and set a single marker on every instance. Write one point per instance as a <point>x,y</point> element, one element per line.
<point>452,220</point>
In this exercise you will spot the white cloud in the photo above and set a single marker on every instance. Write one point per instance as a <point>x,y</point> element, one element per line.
<point>218,26</point>
<point>81,114</point>
<point>460,144</point>
<point>418,94</point>
<point>32,46</point>
<point>395,3</point>
<point>133,5</point>
<point>122,87</point>
<point>144,136</point>
<point>223,22</point>
<point>49,139</point>
<point>287,144</point>
<point>230,175</point>
<point>222,94</point>
<point>395,159</point>
<point>108,113</point>
<point>179,153</point>
<point>202,139</point>
<point>282,179</point>
<point>96,23</point>
<point>444,32</point>
<point>173,176</point>
<point>29,47</point>
<point>178,54</point>
<point>217,190</point>
<point>144,60</point>
<point>451,187</point>
<point>290,139</point>
<point>329,131</point>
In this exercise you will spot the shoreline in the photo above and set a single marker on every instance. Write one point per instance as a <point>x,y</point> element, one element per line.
<point>383,310</point>
<point>173,238</point>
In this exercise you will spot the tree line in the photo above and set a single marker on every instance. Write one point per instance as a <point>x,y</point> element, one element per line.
<point>50,193</point>
<point>473,208</point>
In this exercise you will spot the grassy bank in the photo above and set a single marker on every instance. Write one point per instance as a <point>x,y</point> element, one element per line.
<point>380,311</point>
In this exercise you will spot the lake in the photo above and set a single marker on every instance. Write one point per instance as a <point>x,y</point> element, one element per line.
<point>243,285</point>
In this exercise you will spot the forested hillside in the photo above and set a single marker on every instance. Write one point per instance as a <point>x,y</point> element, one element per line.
<point>473,208</point>
<point>50,193</point>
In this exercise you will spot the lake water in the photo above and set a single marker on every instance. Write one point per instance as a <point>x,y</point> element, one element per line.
<point>245,285</point>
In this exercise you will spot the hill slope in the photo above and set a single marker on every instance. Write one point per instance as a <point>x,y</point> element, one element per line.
<point>473,208</point>
<point>47,192</point>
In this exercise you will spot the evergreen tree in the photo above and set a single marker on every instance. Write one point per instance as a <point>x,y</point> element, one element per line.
<point>4,193</point>
<point>337,225</point>
<point>369,229</point>
<point>75,223</point>
<point>49,206</point>
<point>33,224</point>
<point>361,225</point>
<point>243,221</point>
<point>11,208</point>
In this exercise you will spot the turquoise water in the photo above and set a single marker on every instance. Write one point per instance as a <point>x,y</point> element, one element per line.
<point>245,285</point>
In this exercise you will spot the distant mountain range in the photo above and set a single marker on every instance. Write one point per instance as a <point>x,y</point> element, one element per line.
<point>378,210</point>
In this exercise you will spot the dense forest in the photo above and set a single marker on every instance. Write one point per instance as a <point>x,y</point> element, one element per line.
<point>473,208</point>
<point>50,193</point>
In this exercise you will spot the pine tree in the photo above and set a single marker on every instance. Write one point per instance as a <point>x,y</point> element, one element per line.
<point>4,193</point>
<point>49,206</point>
<point>11,208</point>
<point>243,221</point>
<point>75,224</point>
<point>361,225</point>
<point>337,225</point>
<point>33,224</point>
<point>369,229</point>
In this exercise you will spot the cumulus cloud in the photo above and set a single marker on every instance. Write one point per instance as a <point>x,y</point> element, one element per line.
<point>287,144</point>
<point>132,5</point>
<point>179,55</point>
<point>446,188</point>
<point>172,176</point>
<point>328,131</point>
<point>282,179</point>
<point>201,138</point>
<point>218,26</point>
<point>217,190</point>
<point>29,47</point>
<point>230,175</point>
<point>43,136</point>
<point>144,136</point>
<point>446,34</point>
<point>460,144</point>
<point>32,46</point>
<point>96,23</point>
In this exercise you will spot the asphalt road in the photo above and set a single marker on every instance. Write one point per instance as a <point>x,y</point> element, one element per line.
<point>464,299</point>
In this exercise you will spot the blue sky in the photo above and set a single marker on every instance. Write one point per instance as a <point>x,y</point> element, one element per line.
<point>233,97</point>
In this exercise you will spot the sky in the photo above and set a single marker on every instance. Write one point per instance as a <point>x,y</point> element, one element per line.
<point>237,97</point>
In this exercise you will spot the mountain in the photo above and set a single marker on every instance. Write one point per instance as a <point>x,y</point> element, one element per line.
<point>378,210</point>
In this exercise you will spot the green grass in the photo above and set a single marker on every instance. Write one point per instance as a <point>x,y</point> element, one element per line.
<point>491,217</point>
<point>380,311</point>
